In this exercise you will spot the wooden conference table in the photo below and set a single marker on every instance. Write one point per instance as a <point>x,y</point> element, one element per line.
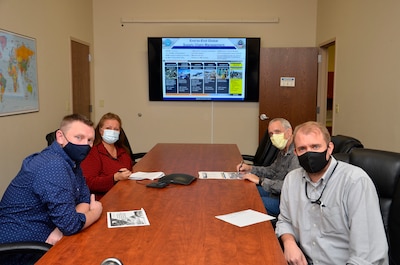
<point>183,228</point>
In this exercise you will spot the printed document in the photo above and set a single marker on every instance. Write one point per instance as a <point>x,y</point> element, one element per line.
<point>219,175</point>
<point>127,218</point>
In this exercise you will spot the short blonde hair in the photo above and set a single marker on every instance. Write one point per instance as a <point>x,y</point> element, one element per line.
<point>67,120</point>
<point>312,126</point>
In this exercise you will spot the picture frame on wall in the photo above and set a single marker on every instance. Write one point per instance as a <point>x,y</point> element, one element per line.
<point>18,74</point>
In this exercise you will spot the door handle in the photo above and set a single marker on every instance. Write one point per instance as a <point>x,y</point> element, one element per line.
<point>263,117</point>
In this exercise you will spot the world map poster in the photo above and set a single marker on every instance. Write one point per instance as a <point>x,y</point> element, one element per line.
<point>18,74</point>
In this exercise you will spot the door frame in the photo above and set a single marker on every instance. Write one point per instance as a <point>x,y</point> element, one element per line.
<point>322,89</point>
<point>89,74</point>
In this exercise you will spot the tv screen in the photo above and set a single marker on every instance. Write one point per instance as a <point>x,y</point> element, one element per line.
<point>203,69</point>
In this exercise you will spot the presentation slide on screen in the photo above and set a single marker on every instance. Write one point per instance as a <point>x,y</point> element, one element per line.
<point>204,68</point>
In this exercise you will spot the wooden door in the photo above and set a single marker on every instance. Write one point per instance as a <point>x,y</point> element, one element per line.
<point>296,104</point>
<point>80,78</point>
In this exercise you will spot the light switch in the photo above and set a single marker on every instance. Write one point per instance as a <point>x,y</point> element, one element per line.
<point>101,103</point>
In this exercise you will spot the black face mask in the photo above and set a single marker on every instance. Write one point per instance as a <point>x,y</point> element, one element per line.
<point>77,152</point>
<point>313,162</point>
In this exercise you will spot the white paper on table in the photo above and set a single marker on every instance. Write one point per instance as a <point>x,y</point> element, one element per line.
<point>146,175</point>
<point>245,218</point>
<point>219,175</point>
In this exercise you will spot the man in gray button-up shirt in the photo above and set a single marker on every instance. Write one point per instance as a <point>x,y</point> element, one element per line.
<point>270,179</point>
<point>329,209</point>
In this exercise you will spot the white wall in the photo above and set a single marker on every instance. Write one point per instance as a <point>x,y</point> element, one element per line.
<point>52,24</point>
<point>120,67</point>
<point>121,75</point>
<point>367,65</point>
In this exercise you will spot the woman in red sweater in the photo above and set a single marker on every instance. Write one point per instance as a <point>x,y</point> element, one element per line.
<point>109,160</point>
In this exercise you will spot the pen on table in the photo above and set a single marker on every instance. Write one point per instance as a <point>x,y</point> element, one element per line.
<point>241,164</point>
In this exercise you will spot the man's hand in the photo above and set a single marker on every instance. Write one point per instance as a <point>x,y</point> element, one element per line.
<point>251,177</point>
<point>292,252</point>
<point>54,236</point>
<point>82,207</point>
<point>243,168</point>
<point>95,206</point>
<point>95,210</point>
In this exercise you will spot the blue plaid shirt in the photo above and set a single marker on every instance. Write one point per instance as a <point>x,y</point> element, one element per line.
<point>43,196</point>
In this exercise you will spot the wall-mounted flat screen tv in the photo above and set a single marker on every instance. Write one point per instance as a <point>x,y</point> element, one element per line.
<point>203,69</point>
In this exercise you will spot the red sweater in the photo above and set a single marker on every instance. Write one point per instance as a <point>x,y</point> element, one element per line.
<point>99,168</point>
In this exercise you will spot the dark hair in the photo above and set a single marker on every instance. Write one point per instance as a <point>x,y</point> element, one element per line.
<point>122,137</point>
<point>67,120</point>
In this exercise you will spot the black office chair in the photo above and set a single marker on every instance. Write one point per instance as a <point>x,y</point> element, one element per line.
<point>265,154</point>
<point>22,252</point>
<point>134,156</point>
<point>383,167</point>
<point>343,145</point>
<point>51,137</point>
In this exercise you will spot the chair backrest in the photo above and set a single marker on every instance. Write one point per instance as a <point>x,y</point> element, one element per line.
<point>126,142</point>
<point>266,152</point>
<point>51,137</point>
<point>134,156</point>
<point>383,167</point>
<point>345,144</point>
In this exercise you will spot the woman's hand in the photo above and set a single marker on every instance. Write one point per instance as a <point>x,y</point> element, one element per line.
<point>122,174</point>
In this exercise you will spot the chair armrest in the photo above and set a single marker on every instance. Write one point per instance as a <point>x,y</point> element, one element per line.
<point>248,158</point>
<point>345,157</point>
<point>137,155</point>
<point>24,247</point>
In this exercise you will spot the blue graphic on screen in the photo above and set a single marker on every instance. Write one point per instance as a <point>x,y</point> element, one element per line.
<point>203,68</point>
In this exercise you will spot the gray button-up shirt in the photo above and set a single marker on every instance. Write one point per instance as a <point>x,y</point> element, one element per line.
<point>347,229</point>
<point>272,176</point>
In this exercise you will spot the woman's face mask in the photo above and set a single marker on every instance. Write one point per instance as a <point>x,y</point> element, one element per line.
<point>110,136</point>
